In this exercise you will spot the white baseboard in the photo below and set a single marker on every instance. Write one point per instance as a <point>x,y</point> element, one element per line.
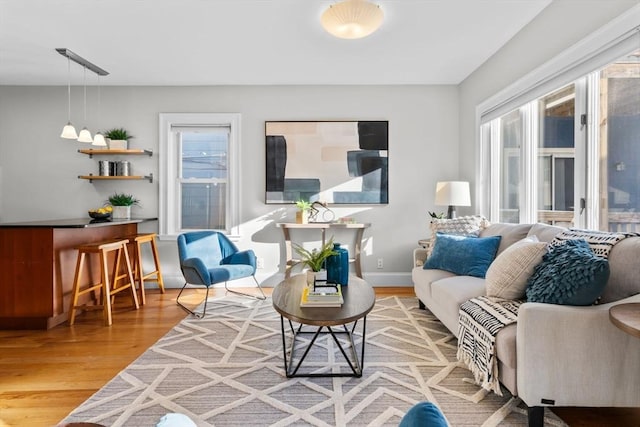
<point>271,280</point>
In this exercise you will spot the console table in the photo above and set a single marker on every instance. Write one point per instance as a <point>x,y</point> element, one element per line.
<point>323,227</point>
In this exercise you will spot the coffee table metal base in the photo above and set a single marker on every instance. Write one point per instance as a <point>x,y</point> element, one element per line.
<point>355,363</point>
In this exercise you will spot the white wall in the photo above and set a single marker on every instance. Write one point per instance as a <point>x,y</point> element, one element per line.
<point>559,26</point>
<point>38,170</point>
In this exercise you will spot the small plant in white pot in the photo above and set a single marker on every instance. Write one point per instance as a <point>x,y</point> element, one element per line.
<point>122,203</point>
<point>118,138</point>
<point>315,260</point>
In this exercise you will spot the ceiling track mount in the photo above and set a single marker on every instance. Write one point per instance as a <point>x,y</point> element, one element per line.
<point>80,60</point>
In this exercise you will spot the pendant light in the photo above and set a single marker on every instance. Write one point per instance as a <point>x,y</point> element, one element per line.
<point>69,132</point>
<point>85,135</point>
<point>98,138</point>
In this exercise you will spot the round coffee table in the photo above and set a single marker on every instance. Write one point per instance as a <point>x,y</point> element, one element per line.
<point>359,299</point>
<point>626,317</point>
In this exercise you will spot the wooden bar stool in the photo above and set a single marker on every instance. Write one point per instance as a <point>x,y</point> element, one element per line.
<point>138,273</point>
<point>109,283</point>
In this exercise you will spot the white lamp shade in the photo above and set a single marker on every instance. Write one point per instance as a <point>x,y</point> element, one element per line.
<point>85,136</point>
<point>98,140</point>
<point>352,19</point>
<point>69,132</point>
<point>453,193</point>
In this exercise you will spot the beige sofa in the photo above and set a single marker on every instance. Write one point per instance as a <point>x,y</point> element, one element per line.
<point>554,355</point>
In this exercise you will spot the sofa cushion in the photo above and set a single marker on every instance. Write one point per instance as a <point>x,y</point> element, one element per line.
<point>450,293</point>
<point>470,225</point>
<point>508,274</point>
<point>569,274</point>
<point>625,271</point>
<point>545,232</point>
<point>601,242</point>
<point>422,280</point>
<point>510,233</point>
<point>506,345</point>
<point>468,256</point>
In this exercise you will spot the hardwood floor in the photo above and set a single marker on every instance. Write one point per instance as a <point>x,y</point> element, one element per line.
<point>44,375</point>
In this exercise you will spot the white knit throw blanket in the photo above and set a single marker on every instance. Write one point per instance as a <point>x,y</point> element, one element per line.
<point>480,320</point>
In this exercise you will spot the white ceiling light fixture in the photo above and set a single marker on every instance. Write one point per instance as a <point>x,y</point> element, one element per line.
<point>98,138</point>
<point>68,131</point>
<point>85,135</point>
<point>352,19</point>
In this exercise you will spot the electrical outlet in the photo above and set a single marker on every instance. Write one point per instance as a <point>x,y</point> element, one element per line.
<point>260,262</point>
<point>380,263</point>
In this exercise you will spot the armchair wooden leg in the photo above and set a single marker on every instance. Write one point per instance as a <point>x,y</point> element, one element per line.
<point>204,310</point>
<point>262,298</point>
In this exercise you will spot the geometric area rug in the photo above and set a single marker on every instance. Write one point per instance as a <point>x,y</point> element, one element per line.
<point>227,369</point>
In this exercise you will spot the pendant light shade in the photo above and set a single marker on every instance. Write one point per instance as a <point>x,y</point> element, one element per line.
<point>68,131</point>
<point>352,19</point>
<point>85,136</point>
<point>98,140</point>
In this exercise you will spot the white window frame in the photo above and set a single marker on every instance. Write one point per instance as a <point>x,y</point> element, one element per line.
<point>600,48</point>
<point>169,197</point>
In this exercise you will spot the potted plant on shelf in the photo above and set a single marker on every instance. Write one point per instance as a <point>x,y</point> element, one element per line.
<point>304,209</point>
<point>118,138</point>
<point>315,260</point>
<point>121,204</point>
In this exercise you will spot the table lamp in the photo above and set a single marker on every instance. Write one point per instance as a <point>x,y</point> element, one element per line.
<point>452,194</point>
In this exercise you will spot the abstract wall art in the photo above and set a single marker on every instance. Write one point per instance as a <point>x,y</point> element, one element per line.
<point>337,162</point>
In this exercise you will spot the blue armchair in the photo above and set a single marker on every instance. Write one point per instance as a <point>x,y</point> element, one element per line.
<point>209,257</point>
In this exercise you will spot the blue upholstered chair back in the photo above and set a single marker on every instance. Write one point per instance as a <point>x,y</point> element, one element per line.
<point>209,257</point>
<point>210,246</point>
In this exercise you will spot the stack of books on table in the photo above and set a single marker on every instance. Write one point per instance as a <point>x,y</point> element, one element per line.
<point>322,296</point>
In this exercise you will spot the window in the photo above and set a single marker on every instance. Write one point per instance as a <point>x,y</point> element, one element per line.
<point>198,172</point>
<point>576,158</point>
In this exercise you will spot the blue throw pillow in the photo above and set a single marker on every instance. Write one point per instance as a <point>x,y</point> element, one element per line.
<point>571,274</point>
<point>463,255</point>
<point>423,414</point>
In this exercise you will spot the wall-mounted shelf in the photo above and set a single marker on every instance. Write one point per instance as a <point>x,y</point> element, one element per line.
<point>91,177</point>
<point>92,152</point>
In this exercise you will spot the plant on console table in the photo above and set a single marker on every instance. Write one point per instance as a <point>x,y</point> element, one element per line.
<point>315,260</point>
<point>122,203</point>
<point>304,209</point>
<point>118,138</point>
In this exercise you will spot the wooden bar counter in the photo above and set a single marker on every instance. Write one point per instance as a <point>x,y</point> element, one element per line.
<point>37,265</point>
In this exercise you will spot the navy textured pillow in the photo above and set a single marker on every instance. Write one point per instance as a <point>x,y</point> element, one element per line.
<point>466,256</point>
<point>571,274</point>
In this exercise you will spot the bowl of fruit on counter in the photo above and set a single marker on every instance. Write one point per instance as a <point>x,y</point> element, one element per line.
<point>103,213</point>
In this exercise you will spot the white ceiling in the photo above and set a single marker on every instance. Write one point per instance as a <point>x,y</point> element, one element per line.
<point>222,42</point>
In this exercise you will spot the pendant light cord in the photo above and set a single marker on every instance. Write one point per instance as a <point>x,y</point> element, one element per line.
<point>85,95</point>
<point>99,99</point>
<point>69,90</point>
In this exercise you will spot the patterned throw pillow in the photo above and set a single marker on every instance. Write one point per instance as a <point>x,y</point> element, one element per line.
<point>600,242</point>
<point>507,276</point>
<point>462,226</point>
<point>466,256</point>
<point>569,274</point>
